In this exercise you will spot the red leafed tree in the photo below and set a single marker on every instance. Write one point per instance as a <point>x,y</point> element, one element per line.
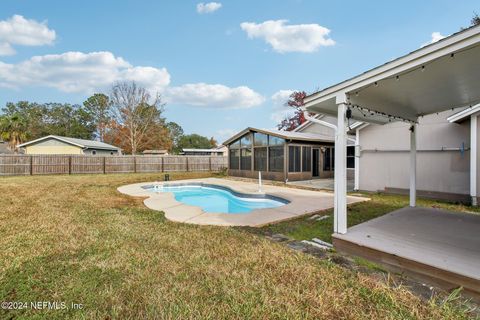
<point>295,101</point>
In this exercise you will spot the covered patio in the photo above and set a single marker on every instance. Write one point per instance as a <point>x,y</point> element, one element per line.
<point>434,78</point>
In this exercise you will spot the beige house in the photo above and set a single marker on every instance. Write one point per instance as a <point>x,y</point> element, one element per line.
<point>65,145</point>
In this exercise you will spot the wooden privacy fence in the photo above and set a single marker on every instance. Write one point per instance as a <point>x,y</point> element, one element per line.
<point>65,164</point>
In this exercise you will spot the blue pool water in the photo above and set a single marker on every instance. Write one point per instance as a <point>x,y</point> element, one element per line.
<point>217,200</point>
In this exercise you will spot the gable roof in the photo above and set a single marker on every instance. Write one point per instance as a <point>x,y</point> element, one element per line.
<point>288,135</point>
<point>82,143</point>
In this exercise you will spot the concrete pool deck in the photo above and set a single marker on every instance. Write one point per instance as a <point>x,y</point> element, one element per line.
<point>302,202</point>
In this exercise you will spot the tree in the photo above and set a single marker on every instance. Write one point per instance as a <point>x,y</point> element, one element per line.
<point>213,142</point>
<point>295,101</point>
<point>475,19</point>
<point>99,108</point>
<point>33,114</point>
<point>194,141</point>
<point>13,129</point>
<point>68,120</point>
<point>175,132</point>
<point>136,112</point>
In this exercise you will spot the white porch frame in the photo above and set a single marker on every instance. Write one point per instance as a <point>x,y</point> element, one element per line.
<point>473,158</point>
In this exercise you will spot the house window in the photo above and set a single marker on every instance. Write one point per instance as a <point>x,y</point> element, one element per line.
<point>260,158</point>
<point>328,159</point>
<point>351,157</point>
<point>111,153</point>
<point>306,159</point>
<point>294,159</point>
<point>260,140</point>
<point>94,152</point>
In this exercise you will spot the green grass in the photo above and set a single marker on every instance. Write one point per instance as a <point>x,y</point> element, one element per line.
<point>380,204</point>
<point>75,239</point>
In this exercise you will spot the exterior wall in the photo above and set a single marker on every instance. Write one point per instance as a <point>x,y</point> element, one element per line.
<point>384,160</point>
<point>59,149</point>
<point>319,129</point>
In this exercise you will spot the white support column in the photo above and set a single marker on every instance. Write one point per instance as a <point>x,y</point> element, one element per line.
<point>340,209</point>
<point>473,159</point>
<point>413,165</point>
<point>357,160</point>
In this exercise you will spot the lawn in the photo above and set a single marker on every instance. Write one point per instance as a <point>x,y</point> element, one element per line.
<point>305,229</point>
<point>75,239</point>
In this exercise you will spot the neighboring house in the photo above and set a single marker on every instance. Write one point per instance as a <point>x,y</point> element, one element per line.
<point>155,152</point>
<point>65,145</point>
<point>218,151</point>
<point>280,155</point>
<point>4,149</point>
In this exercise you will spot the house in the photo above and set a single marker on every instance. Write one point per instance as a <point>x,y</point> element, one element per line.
<point>160,152</point>
<point>65,145</point>
<point>407,98</point>
<point>280,155</point>
<point>218,151</point>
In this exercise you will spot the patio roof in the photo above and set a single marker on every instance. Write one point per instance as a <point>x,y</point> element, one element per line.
<point>434,78</point>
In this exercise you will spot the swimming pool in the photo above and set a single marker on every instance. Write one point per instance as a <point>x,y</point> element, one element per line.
<point>217,199</point>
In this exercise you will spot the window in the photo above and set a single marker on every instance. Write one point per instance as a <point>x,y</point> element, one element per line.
<point>294,159</point>
<point>307,159</point>
<point>274,141</point>
<point>234,159</point>
<point>111,153</point>
<point>260,158</point>
<point>275,159</point>
<point>246,159</point>
<point>261,140</point>
<point>327,159</point>
<point>246,141</point>
<point>351,157</point>
<point>94,152</point>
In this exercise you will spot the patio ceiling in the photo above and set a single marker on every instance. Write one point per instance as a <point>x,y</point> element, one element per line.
<point>432,79</point>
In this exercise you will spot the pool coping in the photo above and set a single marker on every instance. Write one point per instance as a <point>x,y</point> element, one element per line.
<point>300,202</point>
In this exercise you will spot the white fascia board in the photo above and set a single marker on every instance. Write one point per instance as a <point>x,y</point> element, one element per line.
<point>49,137</point>
<point>464,113</point>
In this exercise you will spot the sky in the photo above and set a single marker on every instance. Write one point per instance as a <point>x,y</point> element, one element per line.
<point>220,66</point>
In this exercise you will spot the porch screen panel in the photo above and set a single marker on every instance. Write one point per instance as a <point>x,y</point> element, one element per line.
<point>307,159</point>
<point>234,159</point>
<point>246,159</point>
<point>260,159</point>
<point>275,159</point>
<point>294,159</point>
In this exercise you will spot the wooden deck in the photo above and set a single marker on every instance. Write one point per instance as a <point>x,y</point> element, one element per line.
<point>436,246</point>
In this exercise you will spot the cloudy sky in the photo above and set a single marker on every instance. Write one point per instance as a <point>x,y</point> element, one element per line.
<point>220,66</point>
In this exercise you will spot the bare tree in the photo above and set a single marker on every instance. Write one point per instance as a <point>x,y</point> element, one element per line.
<point>136,112</point>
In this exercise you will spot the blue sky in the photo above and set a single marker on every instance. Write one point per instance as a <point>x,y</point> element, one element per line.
<point>217,70</point>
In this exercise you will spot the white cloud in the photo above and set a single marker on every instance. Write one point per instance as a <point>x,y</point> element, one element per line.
<point>25,32</point>
<point>208,7</point>
<point>214,96</point>
<point>289,38</point>
<point>80,72</point>
<point>436,36</point>
<point>280,110</point>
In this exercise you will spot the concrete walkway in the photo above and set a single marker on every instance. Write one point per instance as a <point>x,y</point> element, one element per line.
<point>321,184</point>
<point>302,202</point>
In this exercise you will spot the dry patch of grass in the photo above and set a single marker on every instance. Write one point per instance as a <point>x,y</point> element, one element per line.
<point>76,239</point>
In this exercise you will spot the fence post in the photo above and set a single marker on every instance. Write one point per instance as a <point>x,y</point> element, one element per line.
<point>70,165</point>
<point>104,165</point>
<point>162,169</point>
<point>210,163</point>
<point>134,164</point>
<point>186,158</point>
<point>31,165</point>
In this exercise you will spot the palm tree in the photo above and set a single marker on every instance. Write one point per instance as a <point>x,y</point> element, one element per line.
<point>13,129</point>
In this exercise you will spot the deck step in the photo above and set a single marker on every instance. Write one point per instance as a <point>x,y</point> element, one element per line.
<point>323,243</point>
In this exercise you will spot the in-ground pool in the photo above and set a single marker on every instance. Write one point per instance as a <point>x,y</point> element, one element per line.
<point>217,199</point>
